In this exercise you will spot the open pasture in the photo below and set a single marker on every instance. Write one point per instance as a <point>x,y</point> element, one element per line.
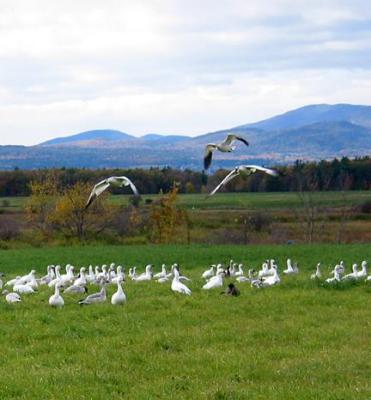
<point>298,340</point>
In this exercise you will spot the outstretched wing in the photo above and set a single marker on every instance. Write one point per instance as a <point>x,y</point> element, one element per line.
<point>229,177</point>
<point>254,168</point>
<point>208,155</point>
<point>98,189</point>
<point>231,138</point>
<point>124,181</point>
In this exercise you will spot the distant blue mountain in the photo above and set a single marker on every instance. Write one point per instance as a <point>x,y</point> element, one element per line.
<point>359,115</point>
<point>95,135</point>
<point>157,138</point>
<point>311,132</point>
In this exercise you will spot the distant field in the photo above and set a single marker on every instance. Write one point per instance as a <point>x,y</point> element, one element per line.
<point>299,340</point>
<point>236,200</point>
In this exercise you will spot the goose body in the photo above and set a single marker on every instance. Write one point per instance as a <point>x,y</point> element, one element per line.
<point>226,147</point>
<point>119,296</point>
<point>177,286</point>
<point>215,282</point>
<point>56,300</point>
<point>13,298</point>
<point>113,181</point>
<point>317,274</point>
<point>99,297</point>
<point>352,275</point>
<point>23,289</point>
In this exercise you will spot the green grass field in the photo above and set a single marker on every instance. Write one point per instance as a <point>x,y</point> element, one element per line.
<point>299,340</point>
<point>236,200</point>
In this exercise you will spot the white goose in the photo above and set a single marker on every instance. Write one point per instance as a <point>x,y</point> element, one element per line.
<point>145,276</point>
<point>215,282</point>
<point>245,169</point>
<point>161,274</point>
<point>23,288</point>
<point>119,296</point>
<point>13,298</point>
<point>120,275</point>
<point>177,286</point>
<point>56,300</point>
<point>99,297</point>
<point>363,273</point>
<point>225,147</point>
<point>208,273</point>
<point>317,274</point>
<point>114,181</point>
<point>352,275</point>
<point>337,275</point>
<point>81,281</point>
<point>290,268</point>
<point>240,270</point>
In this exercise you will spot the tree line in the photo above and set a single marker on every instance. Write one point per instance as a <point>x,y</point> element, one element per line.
<point>337,174</point>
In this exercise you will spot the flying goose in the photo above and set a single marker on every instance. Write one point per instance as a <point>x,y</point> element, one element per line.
<point>115,181</point>
<point>225,147</point>
<point>243,169</point>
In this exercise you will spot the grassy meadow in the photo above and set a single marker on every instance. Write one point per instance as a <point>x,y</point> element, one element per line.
<point>299,340</point>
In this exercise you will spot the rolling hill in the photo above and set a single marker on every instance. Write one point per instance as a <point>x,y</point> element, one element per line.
<point>311,132</point>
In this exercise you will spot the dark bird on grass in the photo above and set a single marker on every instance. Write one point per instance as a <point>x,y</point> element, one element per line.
<point>225,147</point>
<point>246,170</point>
<point>115,181</point>
<point>231,290</point>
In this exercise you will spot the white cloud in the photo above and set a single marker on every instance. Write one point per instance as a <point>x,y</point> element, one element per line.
<point>174,66</point>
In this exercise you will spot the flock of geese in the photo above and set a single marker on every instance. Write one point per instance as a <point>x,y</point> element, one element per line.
<point>77,284</point>
<point>226,146</point>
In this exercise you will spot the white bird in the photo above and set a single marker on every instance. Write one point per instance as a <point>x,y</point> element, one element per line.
<point>177,286</point>
<point>163,280</point>
<point>317,274</point>
<point>225,147</point>
<point>337,275</point>
<point>48,277</point>
<point>120,275</point>
<point>119,296</point>
<point>99,297</point>
<point>161,274</point>
<point>56,300</point>
<point>145,276</point>
<point>290,268</point>
<point>23,288</point>
<point>240,270</point>
<point>76,289</point>
<point>13,298</point>
<point>114,181</point>
<point>271,280</point>
<point>244,169</point>
<point>208,273</point>
<point>352,275</point>
<point>1,281</point>
<point>215,282</point>
<point>363,273</point>
<point>265,271</point>
<point>81,281</point>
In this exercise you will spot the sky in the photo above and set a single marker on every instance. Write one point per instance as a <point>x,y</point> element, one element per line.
<point>174,66</point>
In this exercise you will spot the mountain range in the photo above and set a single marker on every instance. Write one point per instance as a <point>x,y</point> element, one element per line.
<point>311,132</point>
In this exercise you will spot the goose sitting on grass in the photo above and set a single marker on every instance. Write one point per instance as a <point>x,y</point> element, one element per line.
<point>352,275</point>
<point>99,297</point>
<point>215,282</point>
<point>56,300</point>
<point>291,269</point>
<point>13,298</point>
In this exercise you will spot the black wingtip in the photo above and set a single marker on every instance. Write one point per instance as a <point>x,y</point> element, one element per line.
<point>207,161</point>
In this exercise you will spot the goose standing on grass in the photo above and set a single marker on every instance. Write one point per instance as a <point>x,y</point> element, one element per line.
<point>56,300</point>
<point>243,169</point>
<point>99,297</point>
<point>290,268</point>
<point>119,296</point>
<point>363,273</point>
<point>317,274</point>
<point>177,286</point>
<point>226,147</point>
<point>114,181</point>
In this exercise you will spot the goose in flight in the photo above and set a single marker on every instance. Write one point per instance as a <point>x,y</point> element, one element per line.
<point>244,169</point>
<point>115,181</point>
<point>225,147</point>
